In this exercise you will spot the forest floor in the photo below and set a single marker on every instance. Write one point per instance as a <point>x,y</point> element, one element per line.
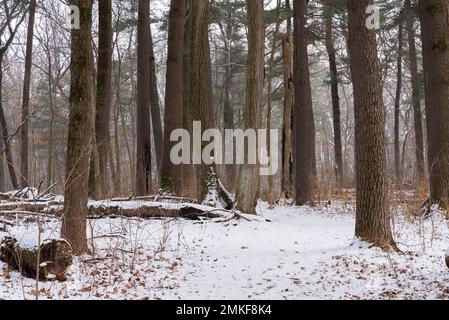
<point>288,253</point>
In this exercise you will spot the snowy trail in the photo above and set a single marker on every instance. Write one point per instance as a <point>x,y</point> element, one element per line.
<point>302,253</point>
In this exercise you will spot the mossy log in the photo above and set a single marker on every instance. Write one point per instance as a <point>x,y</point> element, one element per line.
<point>55,256</point>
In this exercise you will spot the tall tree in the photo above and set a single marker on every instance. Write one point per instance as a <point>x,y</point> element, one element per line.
<point>373,214</point>
<point>143,164</point>
<point>287,145</point>
<point>80,131</point>
<point>171,180</point>
<point>270,95</point>
<point>155,108</point>
<point>199,85</point>
<point>397,109</point>
<point>304,122</point>
<point>209,188</point>
<point>248,183</point>
<point>104,90</point>
<point>26,98</point>
<point>331,52</point>
<point>419,137</point>
<point>435,38</point>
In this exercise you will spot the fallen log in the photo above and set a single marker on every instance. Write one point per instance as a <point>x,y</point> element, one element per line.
<point>50,261</point>
<point>149,212</point>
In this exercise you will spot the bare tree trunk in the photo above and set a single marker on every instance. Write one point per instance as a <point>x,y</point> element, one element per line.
<point>419,136</point>
<point>373,213</point>
<point>171,179</point>
<point>80,132</point>
<point>51,127</point>
<point>155,108</point>
<point>397,110</point>
<point>248,183</point>
<point>304,122</point>
<point>26,98</point>
<point>228,108</point>
<point>330,47</point>
<point>435,37</point>
<point>270,98</point>
<point>104,91</point>
<point>188,170</point>
<point>143,159</point>
<point>287,143</point>
<point>199,86</point>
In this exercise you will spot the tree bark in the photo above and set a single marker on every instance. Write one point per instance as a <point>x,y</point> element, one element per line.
<point>104,91</point>
<point>80,132</point>
<point>373,214</point>
<point>171,179</point>
<point>435,38</point>
<point>304,122</point>
<point>143,159</point>
<point>248,183</point>
<point>26,98</point>
<point>419,136</point>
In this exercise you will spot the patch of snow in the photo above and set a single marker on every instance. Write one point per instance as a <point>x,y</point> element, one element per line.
<point>302,253</point>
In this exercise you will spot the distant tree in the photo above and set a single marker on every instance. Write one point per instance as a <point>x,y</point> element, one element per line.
<point>397,109</point>
<point>24,176</point>
<point>331,52</point>
<point>419,136</point>
<point>14,15</point>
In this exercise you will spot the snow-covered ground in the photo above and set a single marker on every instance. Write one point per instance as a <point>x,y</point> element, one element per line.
<point>292,253</point>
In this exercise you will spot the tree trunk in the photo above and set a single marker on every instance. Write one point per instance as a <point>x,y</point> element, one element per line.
<point>248,183</point>
<point>171,179</point>
<point>155,108</point>
<point>209,188</point>
<point>188,170</point>
<point>397,110</point>
<point>287,143</point>
<point>304,122</point>
<point>26,98</point>
<point>80,132</point>
<point>435,37</point>
<point>143,159</point>
<point>373,214</point>
<point>419,136</point>
<point>199,86</point>
<point>228,108</point>
<point>330,47</point>
<point>104,91</point>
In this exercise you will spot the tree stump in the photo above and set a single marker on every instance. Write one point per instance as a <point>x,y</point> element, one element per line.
<point>55,256</point>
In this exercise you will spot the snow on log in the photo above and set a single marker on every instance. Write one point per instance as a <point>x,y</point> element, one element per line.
<point>55,256</point>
